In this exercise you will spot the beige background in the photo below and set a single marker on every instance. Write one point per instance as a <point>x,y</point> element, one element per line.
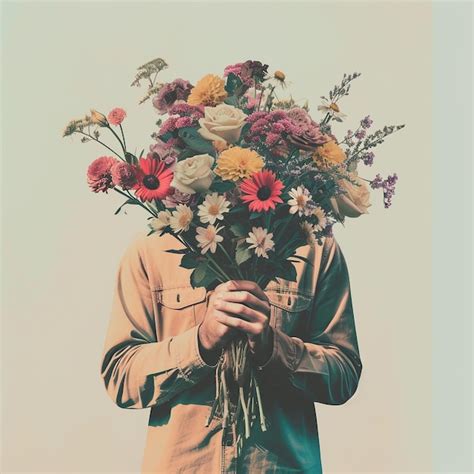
<point>62,243</point>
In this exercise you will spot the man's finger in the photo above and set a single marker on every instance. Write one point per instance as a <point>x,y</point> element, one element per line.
<point>240,311</point>
<point>237,323</point>
<point>246,298</point>
<point>245,285</point>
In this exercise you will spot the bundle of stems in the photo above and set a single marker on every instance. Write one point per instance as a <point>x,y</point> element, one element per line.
<point>238,398</point>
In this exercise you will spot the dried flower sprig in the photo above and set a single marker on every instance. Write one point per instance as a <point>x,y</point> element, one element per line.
<point>146,71</point>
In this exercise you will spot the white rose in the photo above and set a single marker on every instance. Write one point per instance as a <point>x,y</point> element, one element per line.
<point>222,123</point>
<point>193,174</point>
<point>355,200</point>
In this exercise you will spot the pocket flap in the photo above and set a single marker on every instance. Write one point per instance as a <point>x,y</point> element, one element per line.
<point>177,298</point>
<point>288,300</point>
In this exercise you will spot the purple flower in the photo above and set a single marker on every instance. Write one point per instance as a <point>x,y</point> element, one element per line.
<point>388,186</point>
<point>368,158</point>
<point>366,122</point>
<point>169,93</point>
<point>360,134</point>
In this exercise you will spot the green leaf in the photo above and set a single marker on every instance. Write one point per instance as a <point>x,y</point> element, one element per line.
<point>242,254</point>
<point>187,153</point>
<point>199,274</point>
<point>287,271</point>
<point>239,229</point>
<point>177,251</point>
<point>190,260</point>
<point>232,84</point>
<point>128,201</point>
<point>255,215</point>
<point>130,158</point>
<point>220,186</point>
<point>232,100</point>
<point>166,136</point>
<point>202,276</point>
<point>303,259</point>
<point>194,140</point>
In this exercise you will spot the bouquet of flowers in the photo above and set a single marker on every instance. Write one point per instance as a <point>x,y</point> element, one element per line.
<point>242,179</point>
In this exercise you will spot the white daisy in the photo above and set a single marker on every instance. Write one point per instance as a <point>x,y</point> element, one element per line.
<point>160,222</point>
<point>299,201</point>
<point>208,238</point>
<point>213,208</point>
<point>308,230</point>
<point>261,241</point>
<point>320,217</point>
<point>181,218</point>
<point>332,109</point>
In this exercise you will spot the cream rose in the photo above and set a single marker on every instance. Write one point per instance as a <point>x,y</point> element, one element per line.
<point>355,200</point>
<point>193,174</point>
<point>222,123</point>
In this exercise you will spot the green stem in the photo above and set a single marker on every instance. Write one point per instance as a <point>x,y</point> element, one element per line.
<point>232,262</point>
<point>217,265</point>
<point>118,138</point>
<point>102,143</point>
<point>226,401</point>
<point>130,196</point>
<point>263,425</point>
<point>123,136</point>
<point>244,409</point>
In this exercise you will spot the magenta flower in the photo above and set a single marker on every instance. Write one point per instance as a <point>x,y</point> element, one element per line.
<point>270,128</point>
<point>116,116</point>
<point>181,115</point>
<point>99,176</point>
<point>169,93</point>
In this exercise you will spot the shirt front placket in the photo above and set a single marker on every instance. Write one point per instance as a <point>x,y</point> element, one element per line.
<point>229,447</point>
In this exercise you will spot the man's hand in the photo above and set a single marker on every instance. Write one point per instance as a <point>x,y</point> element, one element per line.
<point>243,305</point>
<point>213,335</point>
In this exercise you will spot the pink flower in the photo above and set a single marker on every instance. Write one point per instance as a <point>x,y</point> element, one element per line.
<point>116,116</point>
<point>176,197</point>
<point>233,68</point>
<point>165,151</point>
<point>99,176</point>
<point>124,175</point>
<point>182,122</point>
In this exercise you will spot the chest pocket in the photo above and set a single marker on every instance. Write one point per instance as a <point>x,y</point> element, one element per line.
<point>179,309</point>
<point>290,309</point>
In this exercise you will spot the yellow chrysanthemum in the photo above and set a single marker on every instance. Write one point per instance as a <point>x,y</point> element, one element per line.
<point>329,154</point>
<point>210,90</point>
<point>238,163</point>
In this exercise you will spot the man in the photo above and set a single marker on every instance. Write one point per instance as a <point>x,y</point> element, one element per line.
<point>164,339</point>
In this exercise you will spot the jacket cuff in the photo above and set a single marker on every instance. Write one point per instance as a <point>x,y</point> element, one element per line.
<point>285,358</point>
<point>191,365</point>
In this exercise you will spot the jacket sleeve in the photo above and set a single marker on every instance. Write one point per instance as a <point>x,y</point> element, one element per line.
<point>325,365</point>
<point>138,370</point>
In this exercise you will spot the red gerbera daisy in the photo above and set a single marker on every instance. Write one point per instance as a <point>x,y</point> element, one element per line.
<point>261,191</point>
<point>153,179</point>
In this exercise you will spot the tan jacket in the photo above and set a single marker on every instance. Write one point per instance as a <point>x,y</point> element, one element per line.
<point>151,360</point>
